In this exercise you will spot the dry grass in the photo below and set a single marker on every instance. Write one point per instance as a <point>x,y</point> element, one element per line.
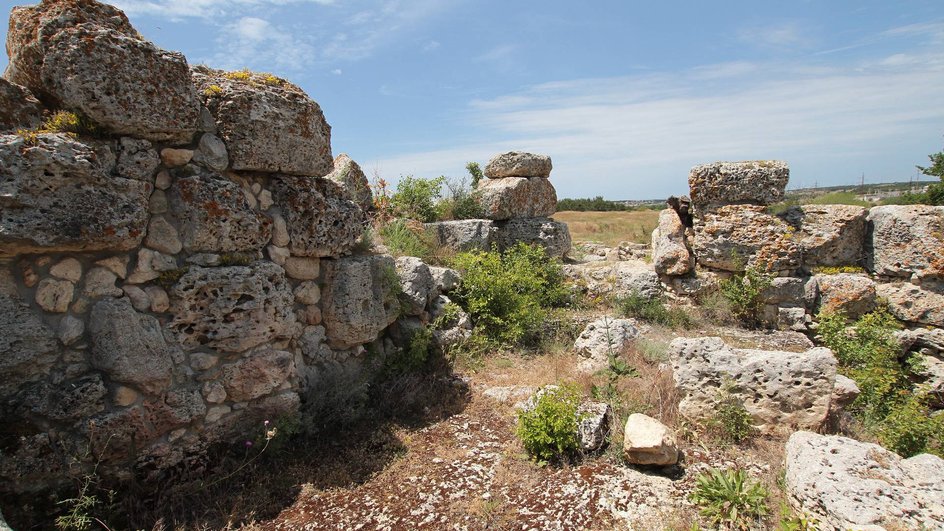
<point>610,228</point>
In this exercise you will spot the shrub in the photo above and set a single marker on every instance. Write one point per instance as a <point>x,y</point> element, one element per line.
<point>732,422</point>
<point>415,198</point>
<point>475,171</point>
<point>65,122</point>
<point>889,405</point>
<point>728,501</point>
<point>745,294</point>
<point>508,294</point>
<point>835,270</point>
<point>414,355</point>
<point>212,91</point>
<point>404,240</point>
<point>460,203</point>
<point>653,310</point>
<point>548,431</point>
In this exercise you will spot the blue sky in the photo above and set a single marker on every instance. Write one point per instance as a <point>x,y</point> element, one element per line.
<point>624,96</point>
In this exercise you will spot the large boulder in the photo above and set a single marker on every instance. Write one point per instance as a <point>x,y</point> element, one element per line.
<point>786,390</point>
<point>670,252</point>
<point>465,234</point>
<point>130,347</point>
<point>734,237</point>
<point>55,196</point>
<point>86,56</point>
<point>359,299</point>
<point>914,304</point>
<point>267,123</point>
<point>18,107</point>
<point>906,240</point>
<point>416,284</point>
<point>754,182</point>
<point>853,295</point>
<point>616,279</point>
<point>28,348</point>
<point>829,235</point>
<point>848,484</point>
<point>320,220</point>
<point>604,338</point>
<point>232,308</point>
<point>517,197</point>
<point>349,175</point>
<point>518,164</point>
<point>551,235</point>
<point>646,441</point>
<point>257,375</point>
<point>215,216</point>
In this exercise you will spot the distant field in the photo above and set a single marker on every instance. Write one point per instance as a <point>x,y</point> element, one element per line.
<point>610,228</point>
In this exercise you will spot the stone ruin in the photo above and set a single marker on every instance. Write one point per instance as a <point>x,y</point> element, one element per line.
<point>517,198</point>
<point>185,273</point>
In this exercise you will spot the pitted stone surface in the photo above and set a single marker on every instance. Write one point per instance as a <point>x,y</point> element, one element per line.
<point>517,197</point>
<point>778,389</point>
<point>320,221</point>
<point>518,164</point>
<point>137,159</point>
<point>232,308</point>
<point>257,375</point>
<point>350,176</point>
<point>19,109</point>
<point>847,484</point>
<point>27,346</point>
<point>55,196</point>
<point>130,347</point>
<point>358,301</point>
<point>551,235</point>
<point>603,338</point>
<point>755,182</point>
<point>465,234</point>
<point>670,252</point>
<point>907,240</point>
<point>829,235</point>
<point>416,283</point>
<point>268,125</point>
<point>86,56</point>
<point>215,216</point>
<point>854,295</point>
<point>737,236</point>
<point>913,303</point>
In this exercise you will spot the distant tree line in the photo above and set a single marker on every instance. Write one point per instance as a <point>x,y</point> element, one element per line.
<point>597,204</point>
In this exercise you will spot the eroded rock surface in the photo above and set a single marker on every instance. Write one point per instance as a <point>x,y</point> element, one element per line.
<point>734,237</point>
<point>320,221</point>
<point>465,234</point>
<point>913,303</point>
<point>552,236</point>
<point>350,176</point>
<point>854,295</point>
<point>646,441</point>
<point>757,182</point>
<point>27,346</point>
<point>907,240</point>
<point>18,107</point>
<point>359,299</point>
<point>517,197</point>
<point>603,338</point>
<point>829,235</point>
<point>518,164</point>
<point>670,252</point>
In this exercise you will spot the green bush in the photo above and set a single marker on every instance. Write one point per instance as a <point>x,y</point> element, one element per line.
<point>403,240</point>
<point>475,171</point>
<point>508,294</point>
<point>731,420</point>
<point>744,292</point>
<point>889,404</point>
<point>415,198</point>
<point>460,203</point>
<point>548,431</point>
<point>414,355</point>
<point>653,310</point>
<point>728,501</point>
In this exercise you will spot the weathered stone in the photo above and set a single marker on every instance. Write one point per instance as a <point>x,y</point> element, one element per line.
<point>116,436</point>
<point>847,484</point>
<point>518,164</point>
<point>265,200</point>
<point>201,361</point>
<point>786,290</point>
<point>914,304</point>
<point>162,236</point>
<point>516,197</point>
<point>756,182</point>
<point>593,425</point>
<point>67,269</point>
<point>137,159</point>
<point>211,153</point>
<point>138,297</point>
<point>932,370</point>
<point>829,235</point>
<point>464,235</point>
<point>906,240</point>
<point>67,401</point>
<point>444,279</point>
<point>54,295</point>
<point>216,413</point>
<point>416,283</point>
<point>173,157</point>
<point>616,278</point>
<point>737,236</point>
<point>163,180</point>
<point>920,338</point>
<point>150,265</point>
<point>86,56</point>
<point>19,109</point>
<point>604,338</point>
<point>214,393</point>
<point>307,293</point>
<point>116,264</point>
<point>232,308</point>
<point>551,235</point>
<point>258,375</point>
<point>646,441</point>
<point>176,408</point>
<point>845,391</point>
<point>278,255</point>
<point>359,299</point>
<point>448,331</point>
<point>160,302</point>
<point>854,295</point>
<point>791,318</point>
<point>100,282</point>
<point>670,252</point>
<point>215,217</point>
<point>54,196</point>
<point>70,329</point>
<point>778,389</point>
<point>267,125</point>
<point>125,396</point>
<point>158,203</point>
<point>320,221</point>
<point>302,267</point>
<point>129,346</point>
<point>350,176</point>
<point>279,231</point>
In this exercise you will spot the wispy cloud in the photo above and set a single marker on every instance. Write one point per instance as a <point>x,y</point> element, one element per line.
<point>177,9</point>
<point>788,34</point>
<point>259,44</point>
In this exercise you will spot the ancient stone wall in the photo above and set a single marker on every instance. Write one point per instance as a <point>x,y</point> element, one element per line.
<point>181,272</point>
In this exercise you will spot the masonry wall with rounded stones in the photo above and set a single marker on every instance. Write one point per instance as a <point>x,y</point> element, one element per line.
<point>185,274</point>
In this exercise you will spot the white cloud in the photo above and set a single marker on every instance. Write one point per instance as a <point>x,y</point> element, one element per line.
<point>337,71</point>
<point>788,34</point>
<point>431,46</point>
<point>257,43</point>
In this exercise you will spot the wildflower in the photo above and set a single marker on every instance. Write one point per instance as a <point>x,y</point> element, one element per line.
<point>248,444</point>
